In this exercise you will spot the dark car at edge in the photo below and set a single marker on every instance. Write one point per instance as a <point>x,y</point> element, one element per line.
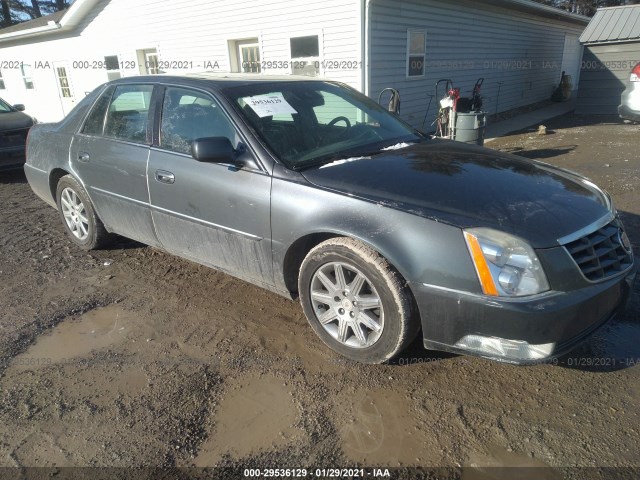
<point>310,189</point>
<point>14,128</point>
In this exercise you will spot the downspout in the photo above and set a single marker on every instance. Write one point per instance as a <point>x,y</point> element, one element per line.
<point>365,53</point>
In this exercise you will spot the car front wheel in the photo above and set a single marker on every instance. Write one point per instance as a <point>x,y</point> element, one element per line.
<point>79,218</point>
<point>356,302</point>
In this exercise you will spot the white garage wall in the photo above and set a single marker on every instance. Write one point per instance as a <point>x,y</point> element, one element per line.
<point>193,32</point>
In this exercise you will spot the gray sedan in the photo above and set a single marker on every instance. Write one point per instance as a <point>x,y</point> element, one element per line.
<point>310,189</point>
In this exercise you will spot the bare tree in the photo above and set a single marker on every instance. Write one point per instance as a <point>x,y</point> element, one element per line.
<point>36,8</point>
<point>16,11</point>
<point>586,7</point>
<point>6,14</point>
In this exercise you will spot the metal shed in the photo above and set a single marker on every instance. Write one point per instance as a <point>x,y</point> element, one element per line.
<point>612,48</point>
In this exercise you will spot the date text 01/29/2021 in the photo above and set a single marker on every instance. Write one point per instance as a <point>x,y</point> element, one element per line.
<point>318,472</point>
<point>298,64</point>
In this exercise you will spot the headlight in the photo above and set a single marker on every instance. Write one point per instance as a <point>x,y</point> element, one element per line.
<point>506,265</point>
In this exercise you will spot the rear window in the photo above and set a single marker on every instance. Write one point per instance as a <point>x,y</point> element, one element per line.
<point>128,113</point>
<point>95,121</point>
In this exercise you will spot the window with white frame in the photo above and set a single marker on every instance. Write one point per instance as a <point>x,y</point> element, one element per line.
<point>149,61</point>
<point>249,56</point>
<point>2,85</point>
<point>244,55</point>
<point>27,76</point>
<point>305,55</point>
<point>416,53</point>
<point>63,82</point>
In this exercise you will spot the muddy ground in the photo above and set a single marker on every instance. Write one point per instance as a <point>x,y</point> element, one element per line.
<point>129,356</point>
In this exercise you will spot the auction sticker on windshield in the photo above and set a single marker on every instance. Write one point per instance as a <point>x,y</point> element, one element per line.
<point>269,104</point>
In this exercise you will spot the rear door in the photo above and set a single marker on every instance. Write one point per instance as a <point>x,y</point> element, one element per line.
<point>110,156</point>
<point>215,214</point>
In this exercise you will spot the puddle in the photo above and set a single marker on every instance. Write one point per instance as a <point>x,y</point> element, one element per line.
<point>381,430</point>
<point>76,337</point>
<point>279,338</point>
<point>41,449</point>
<point>257,415</point>
<point>500,464</point>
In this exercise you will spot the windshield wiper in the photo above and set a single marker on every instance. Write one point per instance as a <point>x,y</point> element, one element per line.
<point>356,152</point>
<point>344,155</point>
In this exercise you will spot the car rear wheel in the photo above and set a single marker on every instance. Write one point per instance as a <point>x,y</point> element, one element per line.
<point>356,302</point>
<point>79,218</point>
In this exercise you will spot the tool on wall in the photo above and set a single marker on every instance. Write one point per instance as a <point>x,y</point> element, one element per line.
<point>446,117</point>
<point>498,95</point>
<point>563,92</point>
<point>394,100</point>
<point>460,118</point>
<point>474,102</point>
<point>424,120</point>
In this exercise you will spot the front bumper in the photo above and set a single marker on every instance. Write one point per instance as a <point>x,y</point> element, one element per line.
<point>628,114</point>
<point>521,331</point>
<point>12,157</point>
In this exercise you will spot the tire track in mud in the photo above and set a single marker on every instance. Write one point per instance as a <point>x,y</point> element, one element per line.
<point>196,341</point>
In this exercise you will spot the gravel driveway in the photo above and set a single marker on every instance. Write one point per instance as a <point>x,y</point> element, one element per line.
<point>131,357</point>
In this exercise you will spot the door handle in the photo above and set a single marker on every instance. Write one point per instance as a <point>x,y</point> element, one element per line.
<point>84,157</point>
<point>163,176</point>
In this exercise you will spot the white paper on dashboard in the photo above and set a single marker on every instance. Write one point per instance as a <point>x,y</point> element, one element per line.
<point>269,104</point>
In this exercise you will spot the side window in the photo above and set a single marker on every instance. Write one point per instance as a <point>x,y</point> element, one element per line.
<point>189,114</point>
<point>95,121</point>
<point>128,113</point>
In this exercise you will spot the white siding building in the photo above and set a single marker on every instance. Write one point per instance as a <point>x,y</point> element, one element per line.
<point>519,46</point>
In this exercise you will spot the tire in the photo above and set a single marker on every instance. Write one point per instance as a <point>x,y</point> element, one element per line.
<point>336,314</point>
<point>79,218</point>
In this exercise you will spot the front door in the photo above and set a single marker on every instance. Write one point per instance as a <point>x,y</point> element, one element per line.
<point>65,88</point>
<point>214,214</point>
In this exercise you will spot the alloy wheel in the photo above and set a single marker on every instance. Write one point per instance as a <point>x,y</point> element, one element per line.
<point>347,305</point>
<point>75,214</point>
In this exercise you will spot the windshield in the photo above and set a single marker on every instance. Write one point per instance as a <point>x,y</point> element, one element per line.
<point>4,107</point>
<point>306,123</point>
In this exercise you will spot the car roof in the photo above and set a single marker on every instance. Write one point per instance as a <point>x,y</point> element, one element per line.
<point>214,79</point>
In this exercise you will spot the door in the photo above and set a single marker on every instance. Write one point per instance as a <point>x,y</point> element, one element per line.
<point>65,90</point>
<point>249,57</point>
<point>110,156</point>
<point>214,214</point>
<point>571,59</point>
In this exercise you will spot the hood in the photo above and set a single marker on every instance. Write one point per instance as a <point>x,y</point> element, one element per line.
<point>469,186</point>
<point>14,121</point>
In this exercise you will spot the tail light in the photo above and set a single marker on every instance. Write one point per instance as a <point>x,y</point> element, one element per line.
<point>26,144</point>
<point>635,74</point>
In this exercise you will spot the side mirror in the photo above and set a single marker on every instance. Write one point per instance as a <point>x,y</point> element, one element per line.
<point>19,107</point>
<point>213,150</point>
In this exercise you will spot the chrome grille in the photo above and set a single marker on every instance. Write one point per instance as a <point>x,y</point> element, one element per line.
<point>602,254</point>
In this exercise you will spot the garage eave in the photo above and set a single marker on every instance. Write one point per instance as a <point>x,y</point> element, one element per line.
<point>529,6</point>
<point>70,20</point>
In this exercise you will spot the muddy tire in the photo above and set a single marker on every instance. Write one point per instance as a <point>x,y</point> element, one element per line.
<point>79,218</point>
<point>356,302</point>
